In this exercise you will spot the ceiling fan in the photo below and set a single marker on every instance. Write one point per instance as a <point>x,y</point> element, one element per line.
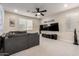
<point>38,12</point>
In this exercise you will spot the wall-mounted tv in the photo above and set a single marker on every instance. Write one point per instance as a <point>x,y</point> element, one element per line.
<point>52,27</point>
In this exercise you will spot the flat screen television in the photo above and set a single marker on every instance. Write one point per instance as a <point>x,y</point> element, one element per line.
<point>52,27</point>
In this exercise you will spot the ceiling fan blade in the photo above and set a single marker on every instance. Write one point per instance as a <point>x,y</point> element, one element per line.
<point>37,9</point>
<point>42,14</point>
<point>43,11</point>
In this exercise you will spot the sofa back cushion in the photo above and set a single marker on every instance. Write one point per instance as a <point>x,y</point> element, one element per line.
<point>18,32</point>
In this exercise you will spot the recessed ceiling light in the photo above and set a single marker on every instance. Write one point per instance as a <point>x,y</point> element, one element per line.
<point>65,5</point>
<point>15,10</point>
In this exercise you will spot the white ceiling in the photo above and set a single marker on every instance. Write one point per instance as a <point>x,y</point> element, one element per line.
<point>27,8</point>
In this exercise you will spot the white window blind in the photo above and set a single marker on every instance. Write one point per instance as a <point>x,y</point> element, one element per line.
<point>25,24</point>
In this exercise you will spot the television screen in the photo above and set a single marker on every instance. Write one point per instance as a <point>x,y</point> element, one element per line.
<point>52,27</point>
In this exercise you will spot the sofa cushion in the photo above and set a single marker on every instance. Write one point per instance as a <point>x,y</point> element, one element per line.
<point>18,32</point>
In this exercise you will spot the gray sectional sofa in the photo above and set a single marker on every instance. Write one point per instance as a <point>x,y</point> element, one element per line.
<point>16,41</point>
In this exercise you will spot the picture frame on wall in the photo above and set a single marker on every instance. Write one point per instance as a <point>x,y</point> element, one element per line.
<point>12,23</point>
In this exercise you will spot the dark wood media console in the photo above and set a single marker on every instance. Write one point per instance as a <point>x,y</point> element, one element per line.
<point>51,36</point>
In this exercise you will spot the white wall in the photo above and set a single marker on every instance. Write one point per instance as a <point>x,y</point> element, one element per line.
<point>16,17</point>
<point>68,21</point>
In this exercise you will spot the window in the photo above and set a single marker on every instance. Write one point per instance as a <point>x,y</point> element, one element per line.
<point>29,24</point>
<point>25,24</point>
<point>1,19</point>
